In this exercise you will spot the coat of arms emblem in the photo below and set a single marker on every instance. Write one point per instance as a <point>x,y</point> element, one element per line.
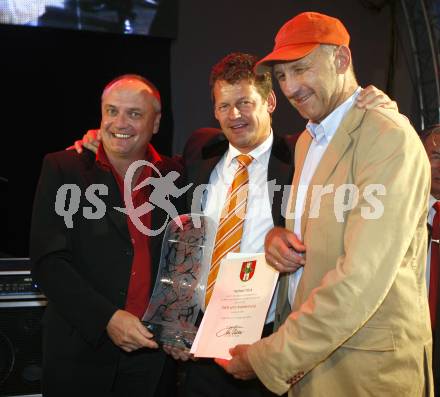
<point>247,270</point>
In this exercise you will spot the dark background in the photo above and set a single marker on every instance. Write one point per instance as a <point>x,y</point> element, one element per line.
<point>51,81</point>
<point>51,85</point>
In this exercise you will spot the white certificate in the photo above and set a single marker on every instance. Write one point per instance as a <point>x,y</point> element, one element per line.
<point>238,306</point>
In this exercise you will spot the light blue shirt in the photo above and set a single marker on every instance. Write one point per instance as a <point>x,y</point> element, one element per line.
<point>322,134</point>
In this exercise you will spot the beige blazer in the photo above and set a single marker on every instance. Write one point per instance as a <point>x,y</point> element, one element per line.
<point>360,321</point>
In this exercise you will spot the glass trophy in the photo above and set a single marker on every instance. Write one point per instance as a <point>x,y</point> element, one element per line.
<point>181,279</point>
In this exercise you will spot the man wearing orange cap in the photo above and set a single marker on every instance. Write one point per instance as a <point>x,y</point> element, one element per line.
<point>354,321</point>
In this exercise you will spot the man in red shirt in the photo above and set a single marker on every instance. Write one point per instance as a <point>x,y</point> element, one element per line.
<point>94,263</point>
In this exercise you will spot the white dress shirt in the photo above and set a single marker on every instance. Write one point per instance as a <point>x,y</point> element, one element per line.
<point>322,134</point>
<point>258,219</point>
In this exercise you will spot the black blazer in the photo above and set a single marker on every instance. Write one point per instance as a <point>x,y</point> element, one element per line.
<point>84,271</point>
<point>206,146</point>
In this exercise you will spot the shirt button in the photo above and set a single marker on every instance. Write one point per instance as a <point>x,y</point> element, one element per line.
<point>133,241</point>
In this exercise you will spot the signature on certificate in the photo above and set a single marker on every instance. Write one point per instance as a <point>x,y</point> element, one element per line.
<point>233,330</point>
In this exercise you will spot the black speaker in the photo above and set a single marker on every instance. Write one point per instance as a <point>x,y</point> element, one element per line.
<point>20,348</point>
<point>21,308</point>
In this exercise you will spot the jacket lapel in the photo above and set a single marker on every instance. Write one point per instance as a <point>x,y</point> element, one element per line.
<point>211,155</point>
<point>301,149</point>
<point>283,306</point>
<point>118,220</point>
<point>335,151</point>
<point>198,172</point>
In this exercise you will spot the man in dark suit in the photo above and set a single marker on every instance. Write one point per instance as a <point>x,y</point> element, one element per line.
<point>92,262</point>
<point>431,141</point>
<point>243,106</point>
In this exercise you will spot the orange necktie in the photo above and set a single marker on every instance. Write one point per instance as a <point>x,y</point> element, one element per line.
<point>434,265</point>
<point>230,228</point>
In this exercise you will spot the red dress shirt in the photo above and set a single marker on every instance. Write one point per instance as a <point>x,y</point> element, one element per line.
<point>139,288</point>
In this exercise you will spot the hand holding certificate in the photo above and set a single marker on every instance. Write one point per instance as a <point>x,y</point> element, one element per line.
<point>238,306</point>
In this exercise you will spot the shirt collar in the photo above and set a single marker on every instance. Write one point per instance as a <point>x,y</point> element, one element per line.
<point>327,127</point>
<point>151,155</point>
<point>256,154</point>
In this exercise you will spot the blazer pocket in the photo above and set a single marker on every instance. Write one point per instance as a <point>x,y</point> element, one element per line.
<point>379,339</point>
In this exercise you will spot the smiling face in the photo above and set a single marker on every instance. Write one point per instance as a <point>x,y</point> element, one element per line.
<point>130,117</point>
<point>244,116</point>
<point>314,85</point>
<point>432,147</point>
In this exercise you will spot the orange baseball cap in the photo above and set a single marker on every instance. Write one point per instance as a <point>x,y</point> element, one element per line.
<point>299,36</point>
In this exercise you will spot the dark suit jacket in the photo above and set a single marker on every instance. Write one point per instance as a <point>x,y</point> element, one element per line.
<point>84,271</point>
<point>205,148</point>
